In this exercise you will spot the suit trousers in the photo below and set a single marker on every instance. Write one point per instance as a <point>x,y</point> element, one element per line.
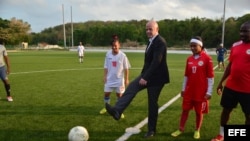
<point>153,95</point>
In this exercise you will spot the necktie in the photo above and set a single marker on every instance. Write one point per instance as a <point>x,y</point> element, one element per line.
<point>149,43</point>
<point>147,46</point>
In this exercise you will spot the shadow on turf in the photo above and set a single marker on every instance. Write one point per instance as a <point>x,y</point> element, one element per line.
<point>28,135</point>
<point>48,110</point>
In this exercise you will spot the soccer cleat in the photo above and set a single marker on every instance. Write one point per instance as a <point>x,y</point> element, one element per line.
<point>218,138</point>
<point>196,134</point>
<point>122,116</point>
<point>9,98</point>
<point>115,114</point>
<point>176,133</point>
<point>149,134</point>
<point>103,111</point>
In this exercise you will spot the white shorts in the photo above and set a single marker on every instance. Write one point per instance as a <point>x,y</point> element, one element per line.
<point>81,54</point>
<point>116,89</point>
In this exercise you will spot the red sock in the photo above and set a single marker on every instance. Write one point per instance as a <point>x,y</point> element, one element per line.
<point>199,118</point>
<point>184,117</point>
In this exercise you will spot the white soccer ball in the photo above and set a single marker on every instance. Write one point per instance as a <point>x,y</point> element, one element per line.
<point>78,133</point>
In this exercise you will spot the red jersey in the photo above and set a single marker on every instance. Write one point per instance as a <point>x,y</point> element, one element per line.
<point>239,77</point>
<point>197,71</point>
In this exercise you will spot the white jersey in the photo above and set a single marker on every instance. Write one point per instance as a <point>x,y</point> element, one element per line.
<point>115,64</point>
<point>3,53</point>
<point>80,50</point>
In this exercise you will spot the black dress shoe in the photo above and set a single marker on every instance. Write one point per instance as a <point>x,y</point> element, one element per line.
<point>149,134</point>
<point>116,115</point>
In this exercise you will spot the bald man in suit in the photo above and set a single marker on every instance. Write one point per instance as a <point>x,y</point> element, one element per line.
<point>153,77</point>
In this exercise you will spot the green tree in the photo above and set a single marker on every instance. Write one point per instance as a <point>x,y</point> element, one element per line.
<point>14,31</point>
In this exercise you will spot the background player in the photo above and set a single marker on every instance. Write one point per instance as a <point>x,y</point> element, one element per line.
<point>221,53</point>
<point>80,51</point>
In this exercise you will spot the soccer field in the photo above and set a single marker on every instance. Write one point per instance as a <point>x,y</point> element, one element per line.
<point>53,92</point>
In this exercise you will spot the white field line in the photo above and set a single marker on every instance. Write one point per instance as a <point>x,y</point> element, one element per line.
<point>137,127</point>
<point>126,135</point>
<point>44,71</point>
<point>41,71</point>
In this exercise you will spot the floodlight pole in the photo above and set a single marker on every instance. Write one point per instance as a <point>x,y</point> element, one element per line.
<point>64,34</point>
<point>223,25</point>
<point>72,40</point>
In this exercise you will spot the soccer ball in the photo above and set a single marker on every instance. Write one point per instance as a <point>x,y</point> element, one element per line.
<point>78,133</point>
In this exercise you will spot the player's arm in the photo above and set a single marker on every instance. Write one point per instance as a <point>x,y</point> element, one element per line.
<point>105,75</point>
<point>185,79</point>
<point>224,77</point>
<point>7,63</point>
<point>225,52</point>
<point>210,82</point>
<point>184,84</point>
<point>105,66</point>
<point>126,76</point>
<point>210,78</point>
<point>127,65</point>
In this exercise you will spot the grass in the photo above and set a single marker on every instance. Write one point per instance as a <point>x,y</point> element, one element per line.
<point>53,92</point>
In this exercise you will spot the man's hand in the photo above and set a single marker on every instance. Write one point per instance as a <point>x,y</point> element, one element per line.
<point>143,82</point>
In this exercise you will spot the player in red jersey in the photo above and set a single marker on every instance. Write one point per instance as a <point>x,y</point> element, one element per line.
<point>197,86</point>
<point>237,87</point>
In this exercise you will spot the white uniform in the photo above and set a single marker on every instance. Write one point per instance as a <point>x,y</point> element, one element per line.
<point>80,50</point>
<point>3,53</point>
<point>115,64</point>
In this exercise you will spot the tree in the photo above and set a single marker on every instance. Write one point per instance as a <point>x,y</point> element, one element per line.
<point>14,31</point>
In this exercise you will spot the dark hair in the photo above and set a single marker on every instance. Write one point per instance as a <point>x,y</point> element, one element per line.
<point>247,22</point>
<point>1,41</point>
<point>200,39</point>
<point>115,37</point>
<point>113,41</point>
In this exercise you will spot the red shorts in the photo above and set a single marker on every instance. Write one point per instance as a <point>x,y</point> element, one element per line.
<point>198,106</point>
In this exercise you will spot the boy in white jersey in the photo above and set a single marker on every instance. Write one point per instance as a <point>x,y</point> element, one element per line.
<point>5,69</point>
<point>80,51</point>
<point>116,73</point>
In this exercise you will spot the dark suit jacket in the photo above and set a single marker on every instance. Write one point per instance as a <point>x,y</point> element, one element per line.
<point>155,69</point>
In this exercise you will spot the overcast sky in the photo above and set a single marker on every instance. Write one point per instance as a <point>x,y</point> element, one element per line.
<point>41,14</point>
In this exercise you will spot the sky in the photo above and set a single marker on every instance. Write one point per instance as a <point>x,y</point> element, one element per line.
<point>41,14</point>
